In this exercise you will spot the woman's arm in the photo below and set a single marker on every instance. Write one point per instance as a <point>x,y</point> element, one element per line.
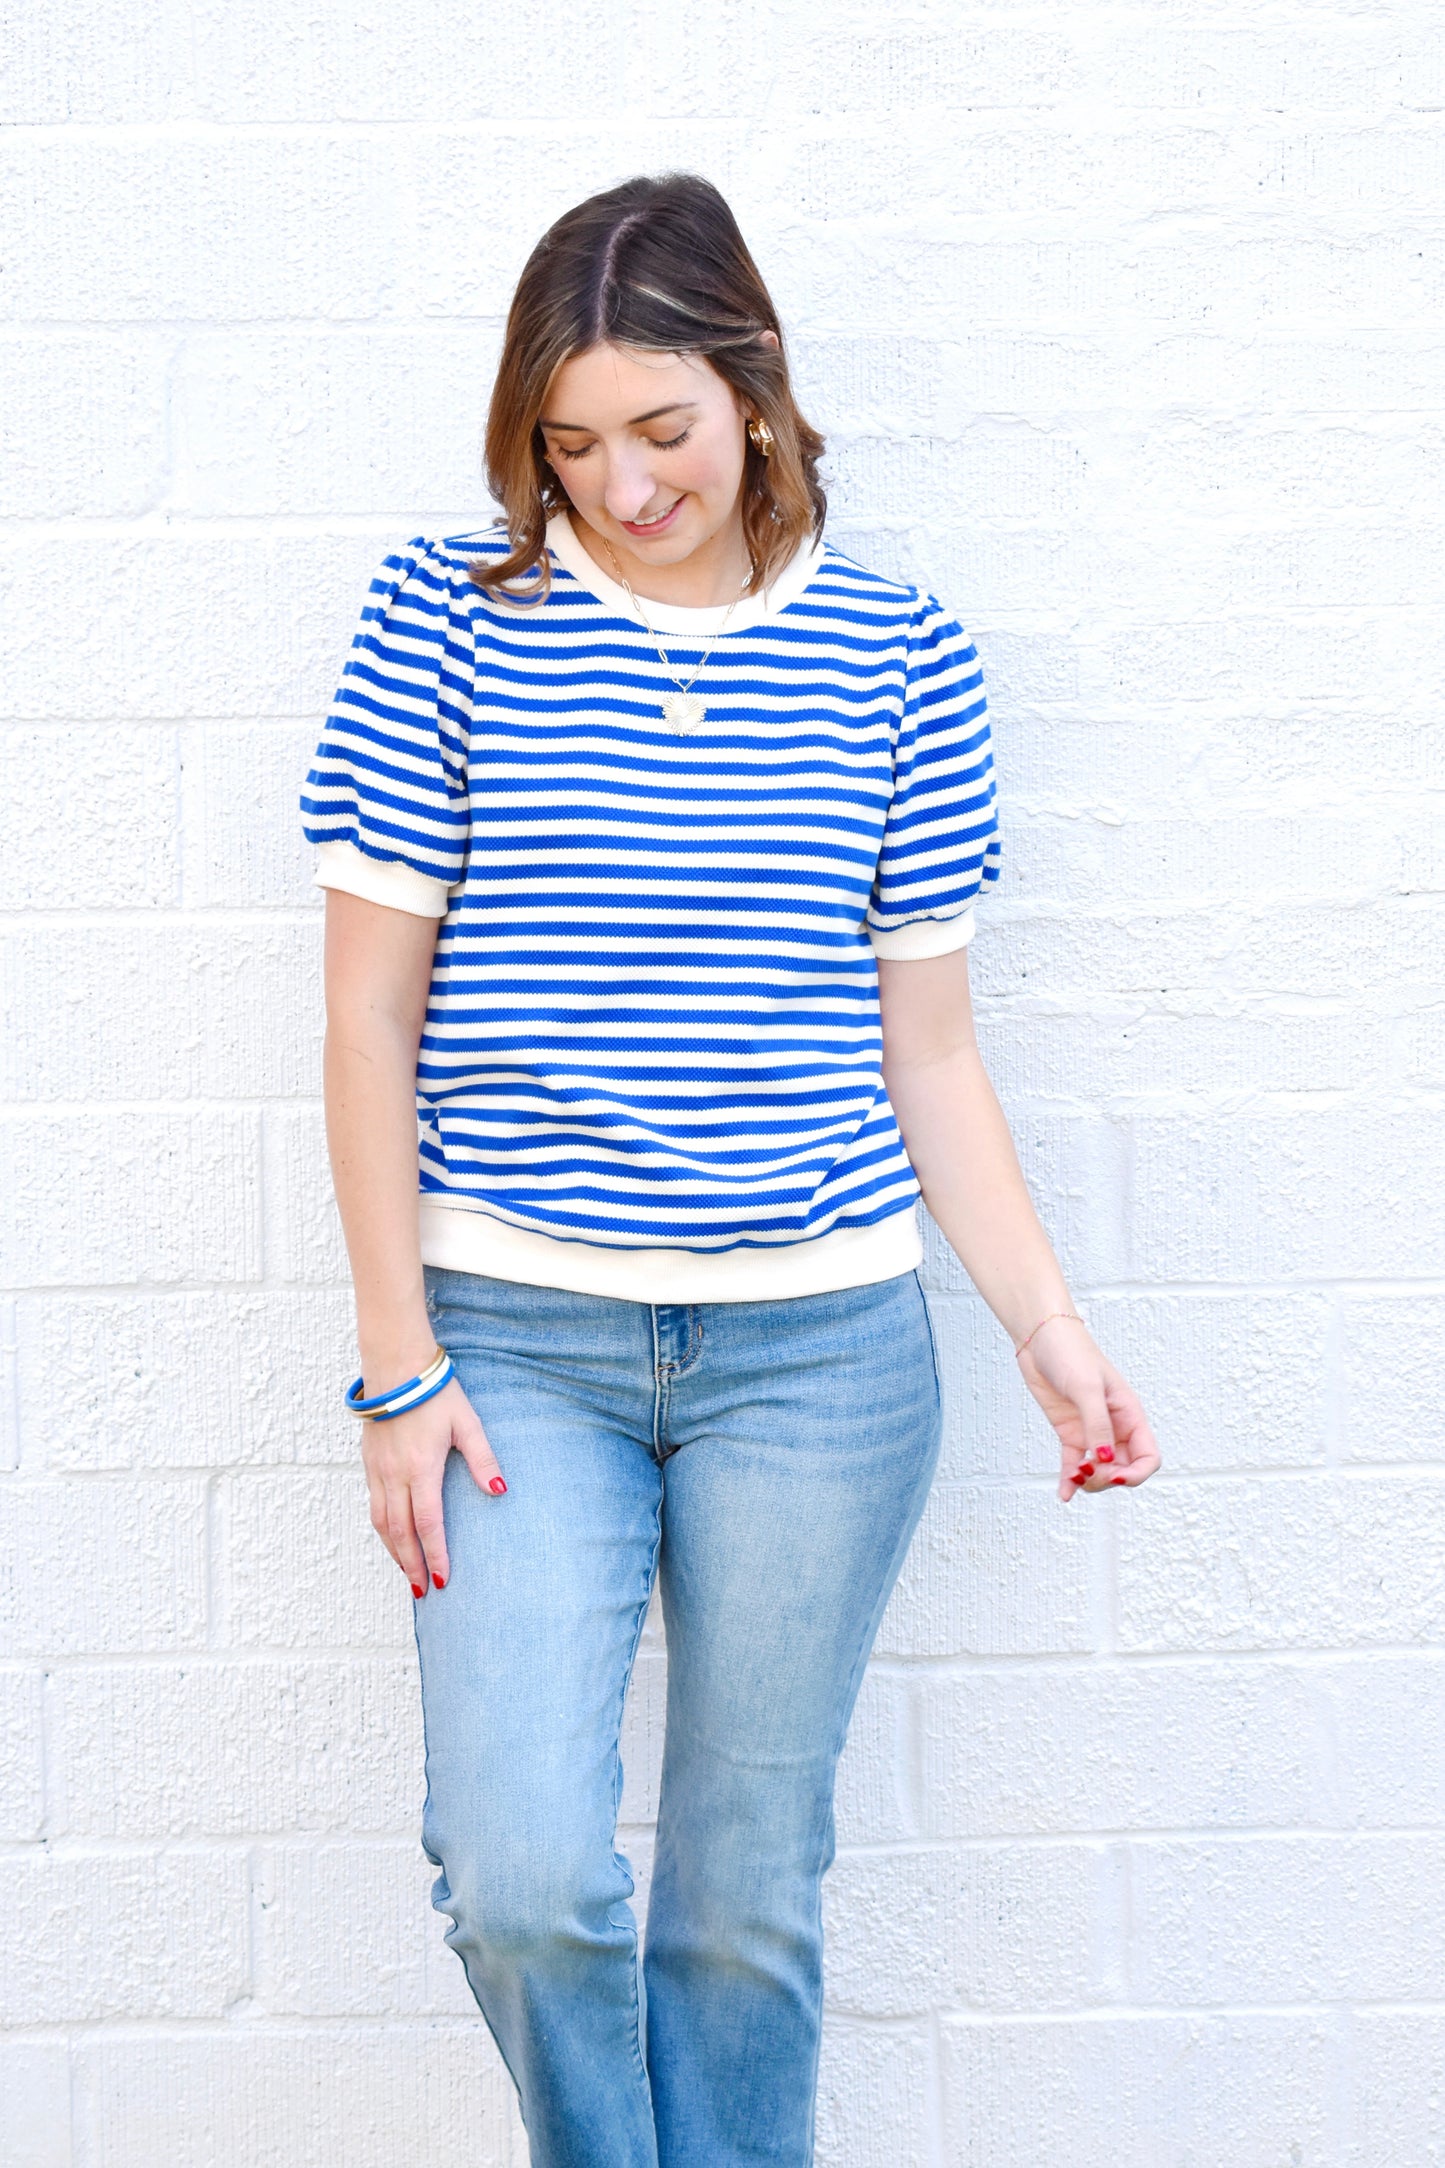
<point>960,1149</point>
<point>378,969</point>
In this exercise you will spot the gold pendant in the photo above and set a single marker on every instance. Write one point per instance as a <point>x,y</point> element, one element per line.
<point>683,711</point>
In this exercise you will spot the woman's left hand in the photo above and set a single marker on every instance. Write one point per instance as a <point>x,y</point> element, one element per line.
<point>1101,1424</point>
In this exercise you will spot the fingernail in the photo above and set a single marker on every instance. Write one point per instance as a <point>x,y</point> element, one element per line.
<point>1118,1479</point>
<point>417,1589</point>
<point>496,1486</point>
<point>1106,1452</point>
<point>1078,1475</point>
<point>437,1581</point>
<point>1086,1467</point>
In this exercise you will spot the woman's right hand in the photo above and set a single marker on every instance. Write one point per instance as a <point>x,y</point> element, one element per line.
<point>405,1460</point>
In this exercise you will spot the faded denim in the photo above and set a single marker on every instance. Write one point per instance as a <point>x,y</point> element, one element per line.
<point>769,1462</point>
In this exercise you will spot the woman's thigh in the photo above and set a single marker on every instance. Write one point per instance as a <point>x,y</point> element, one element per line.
<point>526,1651</point>
<point>799,1451</point>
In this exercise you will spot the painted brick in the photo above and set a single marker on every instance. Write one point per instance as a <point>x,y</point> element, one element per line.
<point>389,1960</point>
<point>91,1566</point>
<point>1229,1381</point>
<point>1180,2090</point>
<point>1384,1718</point>
<point>1392,1402</point>
<point>85,426</point>
<point>875,2094</point>
<point>1075,1167</point>
<point>123,1934</point>
<point>1003,1928</point>
<point>871,1803</point>
<point>35,2103</point>
<point>242,789</point>
<point>158,1198</point>
<point>432,2089</point>
<point>1287,1919</point>
<point>304,1242</point>
<point>1294,1561</point>
<point>21,1789</point>
<point>86,63</point>
<point>1065,763</point>
<point>303,1567</point>
<point>1102,861</point>
<point>342,423</point>
<point>228,1748</point>
<point>1081,1750</point>
<point>1397,2113</point>
<point>112,846</point>
<point>1293,1195</point>
<point>107,629</point>
<point>9,1388</point>
<point>244,71</point>
<point>188,1029</point>
<point>991,1423</point>
<point>643,1725</point>
<point>1302,950</point>
<point>1136,1056</point>
<point>144,226</point>
<point>186,1381</point>
<point>995,1571</point>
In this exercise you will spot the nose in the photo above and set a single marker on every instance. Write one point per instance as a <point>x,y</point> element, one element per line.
<point>630,486</point>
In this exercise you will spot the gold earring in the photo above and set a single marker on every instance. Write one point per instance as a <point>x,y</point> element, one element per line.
<point>761,436</point>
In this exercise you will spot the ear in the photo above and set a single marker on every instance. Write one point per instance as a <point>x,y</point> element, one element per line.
<point>768,338</point>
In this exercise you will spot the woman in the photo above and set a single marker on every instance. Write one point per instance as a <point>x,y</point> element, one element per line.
<point>651,828</point>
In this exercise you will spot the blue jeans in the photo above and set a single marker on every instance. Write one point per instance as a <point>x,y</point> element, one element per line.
<point>769,1460</point>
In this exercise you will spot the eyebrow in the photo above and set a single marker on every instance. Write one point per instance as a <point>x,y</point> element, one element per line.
<point>678,406</point>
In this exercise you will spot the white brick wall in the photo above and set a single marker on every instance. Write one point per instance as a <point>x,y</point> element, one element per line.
<point>1127,327</point>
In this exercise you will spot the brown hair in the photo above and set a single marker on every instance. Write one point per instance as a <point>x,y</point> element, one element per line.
<point>658,264</point>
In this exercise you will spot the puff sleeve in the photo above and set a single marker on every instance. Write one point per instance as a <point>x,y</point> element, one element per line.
<point>940,843</point>
<point>386,799</point>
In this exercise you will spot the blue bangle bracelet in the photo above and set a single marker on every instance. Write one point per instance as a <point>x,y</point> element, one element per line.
<point>386,1407</point>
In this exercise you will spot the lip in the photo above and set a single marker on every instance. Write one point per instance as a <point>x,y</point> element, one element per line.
<point>657,526</point>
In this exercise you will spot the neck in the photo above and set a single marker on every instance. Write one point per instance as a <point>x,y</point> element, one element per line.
<point>711,576</point>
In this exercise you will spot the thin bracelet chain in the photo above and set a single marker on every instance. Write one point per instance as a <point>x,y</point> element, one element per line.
<point>1053,1314</point>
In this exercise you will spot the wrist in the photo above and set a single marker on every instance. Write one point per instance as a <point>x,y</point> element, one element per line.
<point>1064,1316</point>
<point>394,1353</point>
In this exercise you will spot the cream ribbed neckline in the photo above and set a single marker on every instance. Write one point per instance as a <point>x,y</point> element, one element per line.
<point>785,587</point>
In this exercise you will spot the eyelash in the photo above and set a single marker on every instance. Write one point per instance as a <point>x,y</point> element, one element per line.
<point>669,445</point>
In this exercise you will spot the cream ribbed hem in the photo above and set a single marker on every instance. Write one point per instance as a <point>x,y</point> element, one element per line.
<point>925,937</point>
<point>380,880</point>
<point>461,1240</point>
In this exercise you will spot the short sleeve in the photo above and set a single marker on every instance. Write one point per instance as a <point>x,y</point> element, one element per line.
<point>386,799</point>
<point>940,840</point>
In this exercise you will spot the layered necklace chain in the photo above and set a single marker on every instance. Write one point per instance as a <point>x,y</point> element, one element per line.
<point>683,710</point>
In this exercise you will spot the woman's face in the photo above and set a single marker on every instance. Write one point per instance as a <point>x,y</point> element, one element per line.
<point>649,448</point>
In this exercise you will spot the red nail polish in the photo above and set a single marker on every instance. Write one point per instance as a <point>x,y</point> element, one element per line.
<point>1086,1467</point>
<point>417,1589</point>
<point>1118,1479</point>
<point>1106,1452</point>
<point>1078,1475</point>
<point>437,1581</point>
<point>496,1486</point>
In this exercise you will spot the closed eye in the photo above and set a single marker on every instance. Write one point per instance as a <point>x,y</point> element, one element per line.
<point>660,444</point>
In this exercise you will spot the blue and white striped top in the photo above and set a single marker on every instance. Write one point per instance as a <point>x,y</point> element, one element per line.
<point>651,1059</point>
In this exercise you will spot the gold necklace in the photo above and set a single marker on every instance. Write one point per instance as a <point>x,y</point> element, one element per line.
<point>683,710</point>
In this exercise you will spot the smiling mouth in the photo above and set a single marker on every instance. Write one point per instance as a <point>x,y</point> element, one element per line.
<point>648,526</point>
